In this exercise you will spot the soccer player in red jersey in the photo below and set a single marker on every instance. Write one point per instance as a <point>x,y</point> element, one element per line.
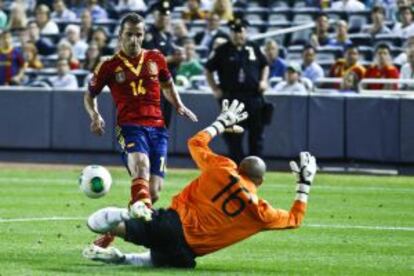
<point>135,77</point>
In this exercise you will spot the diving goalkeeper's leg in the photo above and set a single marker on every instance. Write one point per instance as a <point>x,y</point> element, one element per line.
<point>113,255</point>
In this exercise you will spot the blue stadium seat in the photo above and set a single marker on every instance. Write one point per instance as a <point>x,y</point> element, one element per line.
<point>300,37</point>
<point>279,14</point>
<point>356,21</point>
<point>390,39</point>
<point>366,52</point>
<point>361,39</point>
<point>304,15</point>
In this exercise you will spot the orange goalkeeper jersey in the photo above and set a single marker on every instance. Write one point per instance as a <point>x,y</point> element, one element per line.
<point>220,207</point>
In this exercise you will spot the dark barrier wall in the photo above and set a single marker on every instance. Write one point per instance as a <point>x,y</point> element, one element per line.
<point>331,126</point>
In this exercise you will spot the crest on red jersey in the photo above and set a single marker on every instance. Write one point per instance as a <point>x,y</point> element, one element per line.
<point>152,68</point>
<point>119,75</point>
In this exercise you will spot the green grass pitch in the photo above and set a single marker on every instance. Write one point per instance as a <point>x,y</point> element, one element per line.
<point>355,225</point>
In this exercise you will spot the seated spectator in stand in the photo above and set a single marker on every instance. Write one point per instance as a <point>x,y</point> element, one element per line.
<point>207,37</point>
<point>92,58</point>
<point>350,63</point>
<point>407,71</point>
<point>72,35</point>
<point>311,69</point>
<point>12,64</point>
<point>100,37</point>
<point>61,12</point>
<point>292,81</point>
<point>382,69</point>
<point>65,51</point>
<point>124,6</point>
<point>3,16</point>
<point>404,28</point>
<point>46,25</point>
<point>97,12</point>
<point>86,27</point>
<point>224,9</point>
<point>277,65</point>
<point>17,17</point>
<point>341,39</point>
<point>191,66</point>
<point>349,83</point>
<point>44,45</point>
<point>401,59</point>
<point>63,79</point>
<point>348,5</point>
<point>31,56</point>
<point>180,33</point>
<point>193,11</point>
<point>378,22</point>
<point>321,35</point>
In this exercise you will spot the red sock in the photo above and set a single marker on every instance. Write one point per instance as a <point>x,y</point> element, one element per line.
<point>140,192</point>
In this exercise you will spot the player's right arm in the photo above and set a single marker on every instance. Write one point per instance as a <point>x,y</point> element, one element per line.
<point>96,84</point>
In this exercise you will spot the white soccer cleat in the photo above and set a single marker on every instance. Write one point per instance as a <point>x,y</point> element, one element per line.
<point>110,255</point>
<point>140,210</point>
<point>104,220</point>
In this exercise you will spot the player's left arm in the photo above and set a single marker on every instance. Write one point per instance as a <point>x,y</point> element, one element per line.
<point>171,94</point>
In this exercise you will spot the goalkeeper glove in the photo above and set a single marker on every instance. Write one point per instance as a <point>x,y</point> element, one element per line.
<point>304,174</point>
<point>229,117</point>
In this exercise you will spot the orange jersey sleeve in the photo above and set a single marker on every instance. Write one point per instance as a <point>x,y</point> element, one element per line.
<point>221,207</point>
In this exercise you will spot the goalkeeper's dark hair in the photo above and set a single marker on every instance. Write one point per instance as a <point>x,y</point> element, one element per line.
<point>131,17</point>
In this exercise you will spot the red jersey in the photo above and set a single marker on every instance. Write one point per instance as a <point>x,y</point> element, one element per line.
<point>387,72</point>
<point>221,207</point>
<point>340,69</point>
<point>135,86</point>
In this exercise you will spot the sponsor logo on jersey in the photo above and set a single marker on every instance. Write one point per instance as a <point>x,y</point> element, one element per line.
<point>152,68</point>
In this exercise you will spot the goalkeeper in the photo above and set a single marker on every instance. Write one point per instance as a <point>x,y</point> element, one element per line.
<point>217,209</point>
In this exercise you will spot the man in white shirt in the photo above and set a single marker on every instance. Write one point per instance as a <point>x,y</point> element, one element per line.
<point>292,81</point>
<point>311,69</point>
<point>46,25</point>
<point>404,28</point>
<point>72,35</point>
<point>407,70</point>
<point>61,12</point>
<point>64,78</point>
<point>348,5</point>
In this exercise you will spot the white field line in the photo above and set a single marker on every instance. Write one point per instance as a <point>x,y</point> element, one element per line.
<point>7,180</point>
<point>328,226</point>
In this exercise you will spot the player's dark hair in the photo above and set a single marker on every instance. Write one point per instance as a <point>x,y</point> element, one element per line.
<point>382,46</point>
<point>350,47</point>
<point>132,18</point>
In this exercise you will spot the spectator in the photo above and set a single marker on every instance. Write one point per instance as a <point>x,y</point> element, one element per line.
<point>31,56</point>
<point>349,83</point>
<point>17,18</point>
<point>348,64</point>
<point>401,59</point>
<point>311,69</point>
<point>180,32</point>
<point>63,79</point>
<point>61,12</point>
<point>12,64</point>
<point>79,46</point>
<point>193,11</point>
<point>97,12</point>
<point>65,51</point>
<point>224,9</point>
<point>405,27</point>
<point>348,5</point>
<point>207,37</point>
<point>92,58</point>
<point>382,69</point>
<point>292,81</point>
<point>46,25</point>
<point>44,45</point>
<point>100,37</point>
<point>321,35</point>
<point>191,66</point>
<point>341,39</point>
<point>407,71</point>
<point>3,16</point>
<point>378,24</point>
<point>277,65</point>
<point>86,27</point>
<point>124,6</point>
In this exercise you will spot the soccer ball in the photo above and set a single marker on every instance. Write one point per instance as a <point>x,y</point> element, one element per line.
<point>95,181</point>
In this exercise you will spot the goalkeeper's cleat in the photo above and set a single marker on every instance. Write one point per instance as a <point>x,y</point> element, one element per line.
<point>107,255</point>
<point>140,210</point>
<point>105,240</point>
